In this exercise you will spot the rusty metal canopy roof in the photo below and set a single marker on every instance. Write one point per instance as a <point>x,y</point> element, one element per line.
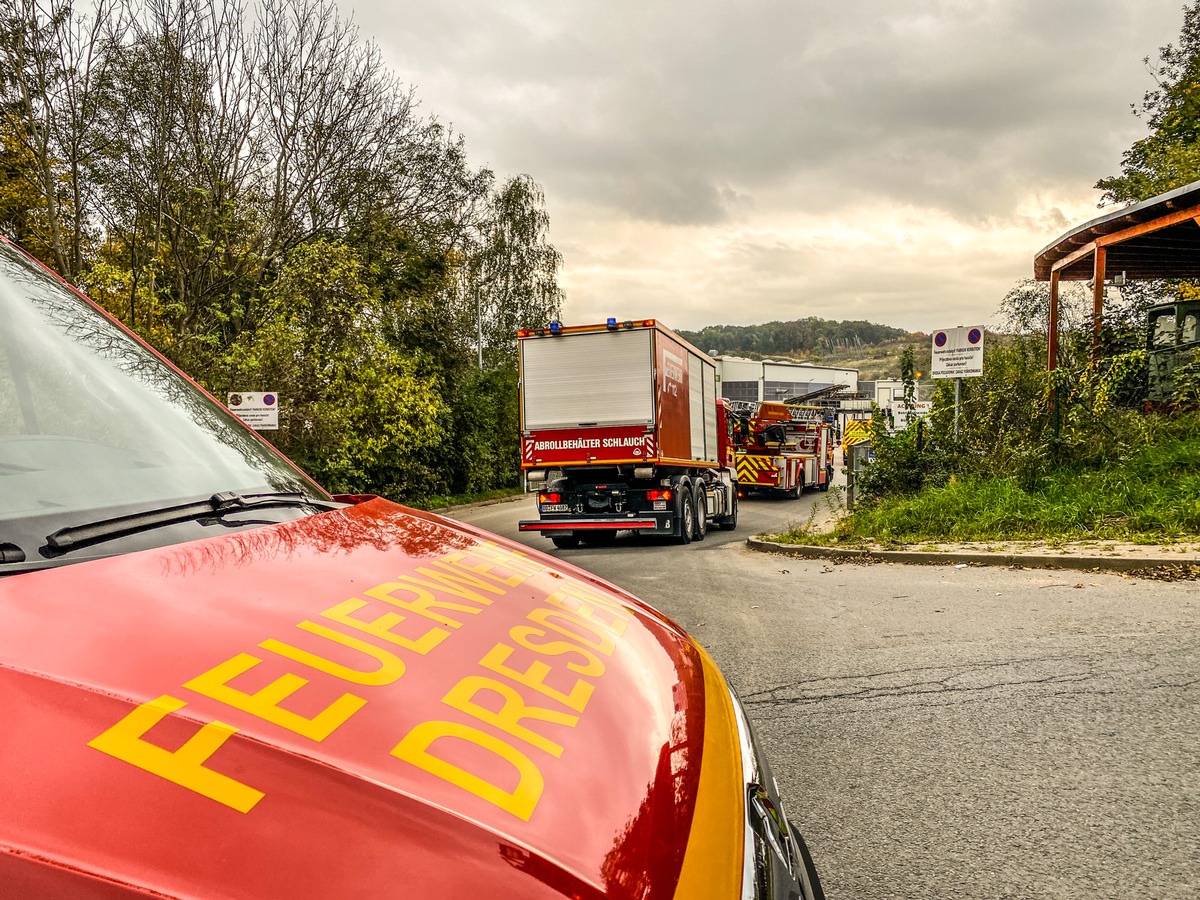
<point>1156,238</point>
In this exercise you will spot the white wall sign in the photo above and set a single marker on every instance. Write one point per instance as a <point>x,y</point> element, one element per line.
<point>958,352</point>
<point>259,410</point>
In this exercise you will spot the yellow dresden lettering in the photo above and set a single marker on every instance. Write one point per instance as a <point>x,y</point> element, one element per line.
<point>600,641</point>
<point>422,604</point>
<point>535,677</point>
<point>390,668</point>
<point>416,746</point>
<point>616,623</point>
<point>185,766</point>
<point>265,702</point>
<point>382,626</point>
<point>508,717</point>
<point>592,665</point>
<point>583,591</point>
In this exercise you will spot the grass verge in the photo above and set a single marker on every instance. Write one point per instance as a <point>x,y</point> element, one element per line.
<point>1153,497</point>
<point>445,501</point>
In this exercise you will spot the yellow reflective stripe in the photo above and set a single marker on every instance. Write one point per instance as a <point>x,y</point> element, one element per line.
<point>712,863</point>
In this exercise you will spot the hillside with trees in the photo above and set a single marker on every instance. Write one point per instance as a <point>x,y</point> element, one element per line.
<point>801,338</point>
<point>252,190</point>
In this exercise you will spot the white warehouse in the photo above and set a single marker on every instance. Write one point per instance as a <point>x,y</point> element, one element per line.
<point>755,380</point>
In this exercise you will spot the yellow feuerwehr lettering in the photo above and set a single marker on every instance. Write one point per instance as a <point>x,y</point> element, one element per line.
<point>185,766</point>
<point>508,717</point>
<point>535,677</point>
<point>382,626</point>
<point>390,668</point>
<point>457,584</point>
<point>264,703</point>
<point>510,559</point>
<point>600,640</point>
<point>592,665</point>
<point>422,604</point>
<point>416,746</point>
<point>486,569</point>
<point>611,620</point>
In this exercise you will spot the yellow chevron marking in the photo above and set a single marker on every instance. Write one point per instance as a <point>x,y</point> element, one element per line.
<point>756,469</point>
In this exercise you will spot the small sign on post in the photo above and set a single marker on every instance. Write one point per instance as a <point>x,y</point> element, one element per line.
<point>958,352</point>
<point>258,409</point>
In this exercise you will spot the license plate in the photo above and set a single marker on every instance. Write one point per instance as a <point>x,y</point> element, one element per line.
<point>555,508</point>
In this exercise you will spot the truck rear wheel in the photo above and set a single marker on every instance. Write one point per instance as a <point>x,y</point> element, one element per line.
<point>565,541</point>
<point>729,522</point>
<point>701,513</point>
<point>687,515</point>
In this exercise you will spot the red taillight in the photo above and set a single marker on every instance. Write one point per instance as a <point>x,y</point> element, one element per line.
<point>549,498</point>
<point>658,495</point>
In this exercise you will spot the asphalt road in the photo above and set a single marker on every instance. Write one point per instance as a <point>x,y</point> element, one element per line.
<point>941,732</point>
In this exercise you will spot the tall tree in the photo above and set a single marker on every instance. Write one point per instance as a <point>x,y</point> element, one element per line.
<point>1169,156</point>
<point>54,61</point>
<point>514,275</point>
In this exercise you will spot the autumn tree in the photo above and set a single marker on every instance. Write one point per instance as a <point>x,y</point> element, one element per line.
<point>214,172</point>
<point>1169,157</point>
<point>355,412</point>
<point>514,270</point>
<point>53,63</point>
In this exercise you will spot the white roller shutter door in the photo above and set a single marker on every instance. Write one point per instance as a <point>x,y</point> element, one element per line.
<point>696,405</point>
<point>710,412</point>
<point>600,378</point>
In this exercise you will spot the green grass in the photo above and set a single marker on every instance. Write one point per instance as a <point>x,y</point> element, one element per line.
<point>444,501</point>
<point>1152,497</point>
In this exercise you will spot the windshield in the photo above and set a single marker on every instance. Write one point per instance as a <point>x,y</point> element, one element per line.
<point>1162,329</point>
<point>91,421</point>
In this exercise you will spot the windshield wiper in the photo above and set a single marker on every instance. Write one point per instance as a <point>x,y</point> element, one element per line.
<point>67,539</point>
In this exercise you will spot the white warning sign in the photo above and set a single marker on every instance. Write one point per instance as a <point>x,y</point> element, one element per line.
<point>258,409</point>
<point>958,352</point>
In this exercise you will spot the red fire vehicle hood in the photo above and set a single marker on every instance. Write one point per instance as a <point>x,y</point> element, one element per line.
<point>370,702</point>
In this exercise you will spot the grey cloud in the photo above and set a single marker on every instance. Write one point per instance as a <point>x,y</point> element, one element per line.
<point>659,108</point>
<point>707,114</point>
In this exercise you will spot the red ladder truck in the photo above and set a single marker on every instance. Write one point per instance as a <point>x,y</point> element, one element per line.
<point>782,448</point>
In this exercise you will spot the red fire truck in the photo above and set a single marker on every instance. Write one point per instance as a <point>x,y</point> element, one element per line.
<point>782,448</point>
<point>622,429</point>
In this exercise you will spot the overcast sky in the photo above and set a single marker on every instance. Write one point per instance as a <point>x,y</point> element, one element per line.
<point>737,162</point>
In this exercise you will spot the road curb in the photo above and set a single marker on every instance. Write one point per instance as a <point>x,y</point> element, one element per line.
<point>977,558</point>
